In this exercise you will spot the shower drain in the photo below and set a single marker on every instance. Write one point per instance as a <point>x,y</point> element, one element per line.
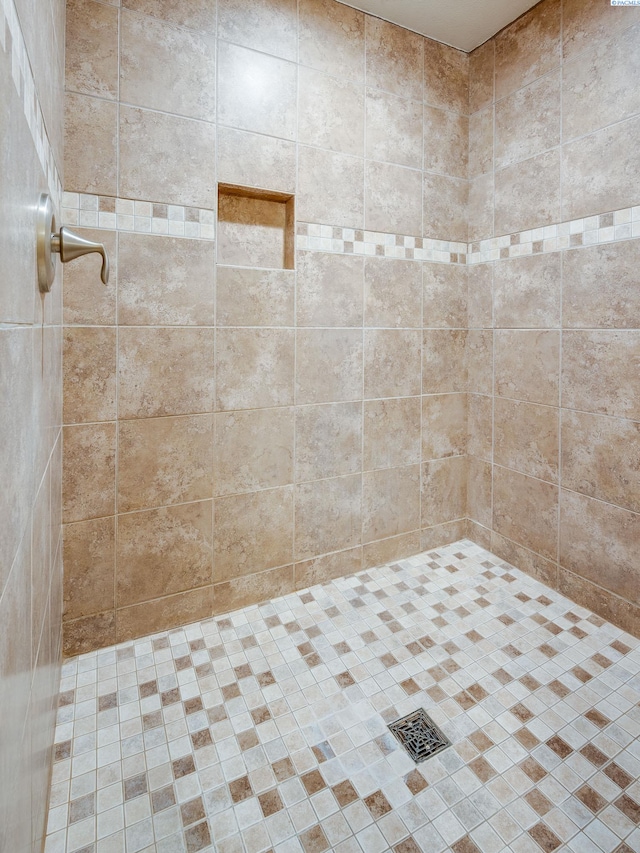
<point>419,735</point>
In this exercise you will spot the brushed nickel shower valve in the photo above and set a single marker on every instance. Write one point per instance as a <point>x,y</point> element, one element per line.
<point>66,243</point>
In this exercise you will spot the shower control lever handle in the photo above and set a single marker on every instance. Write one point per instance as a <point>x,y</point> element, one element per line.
<point>71,246</point>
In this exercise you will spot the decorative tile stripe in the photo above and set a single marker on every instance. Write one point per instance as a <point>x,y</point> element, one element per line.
<point>11,38</point>
<point>143,217</point>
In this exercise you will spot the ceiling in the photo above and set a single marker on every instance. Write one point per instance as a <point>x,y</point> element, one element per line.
<point>464,24</point>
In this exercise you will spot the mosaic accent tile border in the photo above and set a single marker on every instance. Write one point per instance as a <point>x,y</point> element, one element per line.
<point>11,38</point>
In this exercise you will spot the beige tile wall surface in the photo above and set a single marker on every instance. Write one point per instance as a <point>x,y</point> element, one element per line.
<point>233,432</point>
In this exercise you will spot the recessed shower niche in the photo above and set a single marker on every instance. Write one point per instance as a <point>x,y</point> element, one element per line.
<point>256,228</point>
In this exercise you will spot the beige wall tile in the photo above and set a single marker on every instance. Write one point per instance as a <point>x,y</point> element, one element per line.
<point>86,298</point>
<point>160,175</point>
<point>164,371</point>
<point>444,490</point>
<point>168,68</point>
<point>252,532</point>
<point>89,567</point>
<point>328,567</point>
<point>527,438</point>
<point>599,286</point>
<point>392,292</point>
<point>446,76</point>
<point>165,281</point>
<point>393,198</point>
<point>393,548</point>
<point>478,534</point>
<point>331,38</point>
<point>330,188</point>
<point>253,297</point>
<point>139,620</point>
<point>253,450</point>
<point>329,289</point>
<point>601,458</point>
<point>479,491</point>
<point>195,14</point>
<point>254,160</point>
<point>481,207</point>
<point>252,589</point>
<point>599,372</point>
<point>394,58</point>
<point>527,292</point>
<point>481,76</point>
<point>526,511</point>
<point>393,129</point>
<point>528,121</point>
<point>163,551</point>
<point>445,207</point>
<point>587,22</point>
<point>390,502</point>
<point>328,516</point>
<point>617,610</point>
<point>391,433</point>
<point>599,542</point>
<point>481,141</point>
<point>480,296</point>
<point>89,633</point>
<point>480,426</point>
<point>528,48</point>
<point>444,426</point>
<point>392,362</point>
<point>90,138</point>
<point>164,461</point>
<point>528,194</point>
<point>479,354</point>
<point>89,471</point>
<point>91,58</point>
<point>545,571</point>
<point>527,366</point>
<point>328,365</point>
<point>443,534</point>
<point>252,232</point>
<point>271,25</point>
<point>328,440</point>
<point>254,368</point>
<point>444,365</point>
<point>89,355</point>
<point>330,112</point>
<point>269,107</point>
<point>445,295</point>
<point>446,142</point>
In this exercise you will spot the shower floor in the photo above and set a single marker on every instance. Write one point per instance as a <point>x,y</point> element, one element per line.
<point>266,729</point>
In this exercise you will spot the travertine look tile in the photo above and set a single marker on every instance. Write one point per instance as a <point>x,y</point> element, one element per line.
<point>252,532</point>
<point>251,589</point>
<point>607,605</point>
<point>165,281</point>
<point>443,533</point>
<point>479,355</point>
<point>393,198</point>
<point>89,358</point>
<point>527,438</point>
<point>481,76</point>
<point>163,551</point>
<point>253,450</point>
<point>90,137</point>
<point>480,426</point>
<point>599,286</point>
<point>444,490</point>
<point>528,194</point>
<point>328,516</point>
<point>392,362</point>
<point>168,68</point>
<point>444,365</point>
<point>599,372</point>
<point>528,121</point>
<point>328,365</point>
<point>160,175</point>
<point>479,491</point>
<point>328,440</point>
<point>270,27</point>
<point>331,38</point>
<point>164,371</point>
<point>324,569</point>
<point>163,461</point>
<point>393,548</point>
<point>330,188</point>
<point>195,14</point>
<point>91,57</point>
<point>253,160</point>
<point>476,532</point>
<point>445,295</point>
<point>393,129</point>
<point>599,542</point>
<point>587,22</point>
<point>329,289</point>
<point>89,471</point>
<point>533,564</point>
<point>330,112</point>
<point>480,209</point>
<point>89,567</point>
<point>528,48</point>
<point>445,207</point>
<point>394,58</point>
<point>254,368</point>
<point>601,458</point>
<point>480,302</point>
<point>481,142</point>
<point>446,76</point>
<point>168,612</point>
<point>527,292</point>
<point>392,292</point>
<point>268,108</point>
<point>391,433</point>
<point>444,426</point>
<point>526,511</point>
<point>446,142</point>
<point>86,298</point>
<point>251,232</point>
<point>253,297</point>
<point>390,502</point>
<point>89,633</point>
<point>527,366</point>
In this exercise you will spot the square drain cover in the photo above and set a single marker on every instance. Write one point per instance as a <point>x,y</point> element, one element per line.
<point>419,735</point>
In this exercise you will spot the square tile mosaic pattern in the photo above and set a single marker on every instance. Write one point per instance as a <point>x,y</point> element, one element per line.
<point>267,729</point>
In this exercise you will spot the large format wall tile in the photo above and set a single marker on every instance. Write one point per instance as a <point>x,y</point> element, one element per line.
<point>528,121</point>
<point>91,61</point>
<point>270,27</point>
<point>390,502</point>
<point>195,14</point>
<point>394,58</point>
<point>328,365</point>
<point>527,366</point>
<point>527,438</point>
<point>446,142</point>
<point>254,368</point>
<point>444,490</point>
<point>331,38</point>
<point>89,567</point>
<point>445,296</point>
<point>527,292</point>
<point>89,374</point>
<point>393,129</point>
<point>528,194</point>
<point>330,188</point>
<point>328,440</point>
<point>329,289</point>
<point>392,362</point>
<point>90,144</point>
<point>526,511</point>
<point>328,516</point>
<point>330,112</point>
<point>391,433</point>
<point>528,48</point>
<point>446,76</point>
<point>392,293</point>
<point>89,465</point>
<point>254,160</point>
<point>393,198</point>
